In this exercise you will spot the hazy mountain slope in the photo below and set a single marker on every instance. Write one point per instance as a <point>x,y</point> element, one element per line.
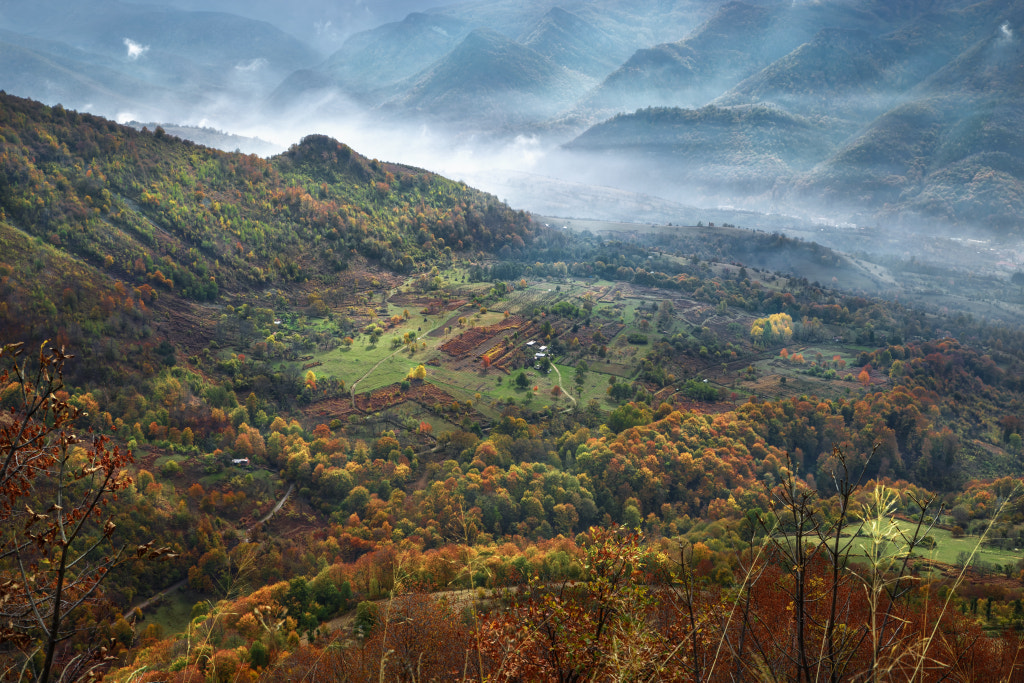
<point>591,38</point>
<point>907,113</point>
<point>846,76</point>
<point>511,18</point>
<point>854,75</point>
<point>491,81</point>
<point>390,53</point>
<point>322,23</point>
<point>641,22</point>
<point>741,39</point>
<point>576,44</point>
<point>210,38</point>
<point>736,42</point>
<point>60,73</point>
<point>644,23</point>
<point>712,150</point>
<point>203,57</point>
<point>953,152</point>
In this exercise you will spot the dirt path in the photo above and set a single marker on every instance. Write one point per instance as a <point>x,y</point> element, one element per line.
<point>352,388</point>
<point>277,506</point>
<point>561,385</point>
<point>273,511</point>
<point>458,598</point>
<point>156,598</point>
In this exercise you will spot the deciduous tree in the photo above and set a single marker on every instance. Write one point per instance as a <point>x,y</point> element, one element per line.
<point>57,538</point>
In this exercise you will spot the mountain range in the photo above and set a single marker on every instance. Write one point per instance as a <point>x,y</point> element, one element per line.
<point>850,110</point>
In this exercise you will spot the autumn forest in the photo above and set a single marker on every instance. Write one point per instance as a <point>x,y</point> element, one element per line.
<point>320,417</point>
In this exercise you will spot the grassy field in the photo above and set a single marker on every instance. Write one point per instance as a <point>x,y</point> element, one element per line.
<point>172,614</point>
<point>352,363</point>
<point>950,550</point>
<point>369,366</point>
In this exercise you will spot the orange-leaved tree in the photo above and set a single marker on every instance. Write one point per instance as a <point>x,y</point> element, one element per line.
<point>57,540</point>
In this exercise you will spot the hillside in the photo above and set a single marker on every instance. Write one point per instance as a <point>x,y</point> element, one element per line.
<point>115,196</point>
<point>722,151</point>
<point>480,79</point>
<point>572,42</point>
<point>492,83</point>
<point>384,426</point>
<point>378,58</point>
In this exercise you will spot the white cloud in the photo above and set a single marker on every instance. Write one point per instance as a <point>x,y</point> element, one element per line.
<point>135,50</point>
<point>1006,30</point>
<point>251,65</point>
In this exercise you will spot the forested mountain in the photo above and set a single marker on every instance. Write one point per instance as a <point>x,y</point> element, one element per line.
<point>723,151</point>
<point>475,81</point>
<point>348,384</point>
<point>912,80</point>
<point>571,41</point>
<point>97,189</point>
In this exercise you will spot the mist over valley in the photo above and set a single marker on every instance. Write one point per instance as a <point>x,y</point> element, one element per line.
<point>889,132</point>
<point>901,118</point>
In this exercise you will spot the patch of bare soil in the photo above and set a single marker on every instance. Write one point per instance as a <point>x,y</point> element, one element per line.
<point>424,393</point>
<point>188,325</point>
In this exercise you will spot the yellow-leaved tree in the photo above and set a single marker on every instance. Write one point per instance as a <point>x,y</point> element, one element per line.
<point>775,329</point>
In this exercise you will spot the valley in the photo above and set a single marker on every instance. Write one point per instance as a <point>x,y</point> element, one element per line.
<point>719,375</point>
<point>835,113</point>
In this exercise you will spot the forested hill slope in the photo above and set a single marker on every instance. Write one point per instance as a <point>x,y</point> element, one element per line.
<point>147,207</point>
<point>226,314</point>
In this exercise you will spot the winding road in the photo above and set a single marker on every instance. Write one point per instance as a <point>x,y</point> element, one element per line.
<point>273,511</point>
